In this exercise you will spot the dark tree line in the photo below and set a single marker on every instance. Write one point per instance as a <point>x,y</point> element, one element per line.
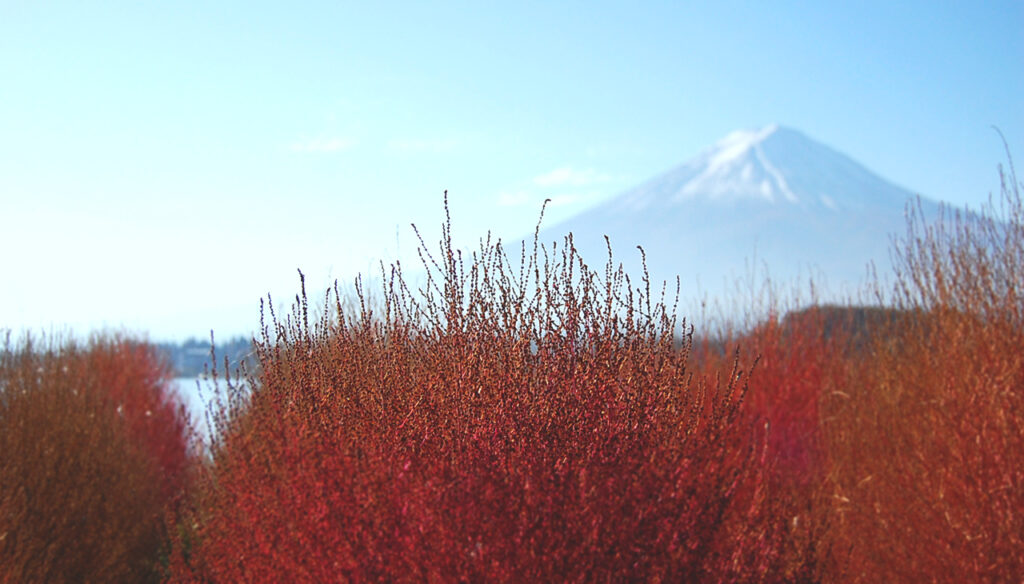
<point>193,356</point>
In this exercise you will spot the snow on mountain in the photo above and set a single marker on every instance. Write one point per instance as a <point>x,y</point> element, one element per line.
<point>770,198</point>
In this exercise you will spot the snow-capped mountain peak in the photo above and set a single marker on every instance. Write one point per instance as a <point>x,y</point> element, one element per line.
<point>738,143</point>
<point>738,167</point>
<point>772,165</point>
<point>771,195</point>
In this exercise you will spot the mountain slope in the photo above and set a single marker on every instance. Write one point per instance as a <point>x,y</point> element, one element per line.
<point>769,198</point>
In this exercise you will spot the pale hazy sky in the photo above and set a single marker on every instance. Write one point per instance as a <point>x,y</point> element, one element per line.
<point>164,165</point>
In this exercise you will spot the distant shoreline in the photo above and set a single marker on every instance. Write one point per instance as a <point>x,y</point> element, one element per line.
<point>192,357</point>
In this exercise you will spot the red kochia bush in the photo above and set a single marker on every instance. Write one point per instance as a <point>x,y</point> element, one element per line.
<point>928,441</point>
<point>138,380</point>
<point>800,357</point>
<point>795,361</point>
<point>92,457</point>
<point>537,423</point>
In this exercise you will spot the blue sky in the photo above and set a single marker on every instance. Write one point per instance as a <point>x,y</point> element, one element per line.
<point>164,165</point>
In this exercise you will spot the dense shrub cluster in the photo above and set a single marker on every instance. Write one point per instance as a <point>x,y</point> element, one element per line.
<point>797,362</point>
<point>92,455</point>
<point>504,425</point>
<point>536,420</point>
<point>927,438</point>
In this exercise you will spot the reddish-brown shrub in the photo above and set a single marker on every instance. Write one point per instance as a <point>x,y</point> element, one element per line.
<point>138,380</point>
<point>545,423</point>
<point>800,358</point>
<point>927,439</point>
<point>502,424</point>
<point>92,453</point>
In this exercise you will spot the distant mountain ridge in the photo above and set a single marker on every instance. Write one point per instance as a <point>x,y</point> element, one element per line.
<point>770,197</point>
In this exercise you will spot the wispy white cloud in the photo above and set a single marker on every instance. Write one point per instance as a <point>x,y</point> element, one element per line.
<point>425,146</point>
<point>521,198</point>
<point>514,198</point>
<point>566,199</point>
<point>563,186</point>
<point>568,176</point>
<point>323,145</point>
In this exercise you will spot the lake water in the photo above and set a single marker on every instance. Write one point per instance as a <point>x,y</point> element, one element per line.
<point>198,396</point>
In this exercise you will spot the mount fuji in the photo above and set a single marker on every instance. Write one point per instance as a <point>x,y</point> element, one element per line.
<point>763,201</point>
